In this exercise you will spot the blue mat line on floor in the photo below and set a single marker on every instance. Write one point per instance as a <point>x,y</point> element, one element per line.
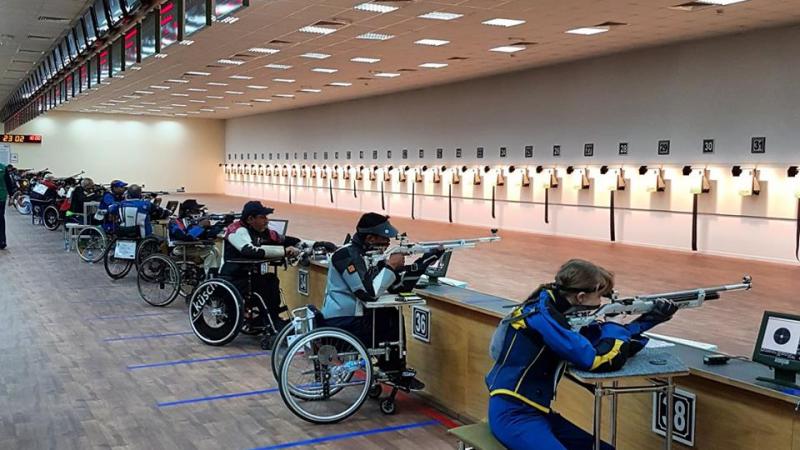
<point>338,437</point>
<point>212,398</point>
<point>197,360</point>
<point>147,336</point>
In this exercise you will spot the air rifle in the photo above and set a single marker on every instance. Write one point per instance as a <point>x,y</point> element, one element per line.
<point>405,247</point>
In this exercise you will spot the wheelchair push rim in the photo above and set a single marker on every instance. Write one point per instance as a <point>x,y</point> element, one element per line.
<point>116,268</point>
<point>91,244</point>
<point>215,312</point>
<point>325,376</point>
<point>51,218</point>
<point>158,280</point>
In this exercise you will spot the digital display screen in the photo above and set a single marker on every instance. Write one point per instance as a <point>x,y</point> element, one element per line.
<point>100,17</point>
<point>88,26</point>
<point>21,138</point>
<point>115,9</point>
<point>225,7</point>
<point>781,338</point>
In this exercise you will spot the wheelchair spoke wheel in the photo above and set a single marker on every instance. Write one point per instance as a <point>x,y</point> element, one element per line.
<point>279,349</point>
<point>215,312</point>
<point>91,244</point>
<point>158,280</point>
<point>22,203</point>
<point>51,218</point>
<point>148,246</point>
<point>325,376</point>
<point>191,276</point>
<point>116,268</point>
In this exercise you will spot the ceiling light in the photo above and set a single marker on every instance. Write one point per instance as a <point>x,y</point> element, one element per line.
<point>215,97</point>
<point>316,55</point>
<point>186,42</point>
<point>206,110</point>
<point>324,70</point>
<point>222,107</point>
<point>198,74</point>
<point>177,81</point>
<point>503,22</point>
<point>179,105</point>
<point>132,96</point>
<point>387,74</point>
<point>261,100</point>
<point>266,51</point>
<point>340,84</point>
<point>240,77</point>
<point>232,62</point>
<point>137,106</point>
<point>161,55</point>
<point>314,91</point>
<point>252,86</point>
<point>283,80</point>
<point>192,112</point>
<point>159,87</point>
<point>229,20</point>
<point>154,110</point>
<point>197,89</point>
<point>588,31</point>
<point>244,104</point>
<point>721,2</point>
<point>148,103</point>
<point>372,7</point>
<point>118,101</point>
<point>508,49</point>
<point>317,30</point>
<point>361,59</point>
<point>214,83</point>
<point>234,92</point>
<point>134,68</point>
<point>179,95</point>
<point>278,66</point>
<point>433,65</point>
<point>375,36</point>
<point>432,42</point>
<point>197,101</point>
<point>180,114</point>
<point>284,95</point>
<point>143,92</point>
<point>437,15</point>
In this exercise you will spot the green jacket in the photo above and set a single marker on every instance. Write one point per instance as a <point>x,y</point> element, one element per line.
<point>3,190</point>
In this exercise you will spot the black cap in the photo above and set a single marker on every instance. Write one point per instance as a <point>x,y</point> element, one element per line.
<point>255,208</point>
<point>376,224</point>
<point>188,206</point>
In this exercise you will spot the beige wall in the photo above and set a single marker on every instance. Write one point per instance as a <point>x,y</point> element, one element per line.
<point>163,154</point>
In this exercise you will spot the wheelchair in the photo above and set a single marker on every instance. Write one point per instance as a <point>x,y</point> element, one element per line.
<point>162,278</point>
<point>126,250</point>
<point>217,309</point>
<point>325,374</point>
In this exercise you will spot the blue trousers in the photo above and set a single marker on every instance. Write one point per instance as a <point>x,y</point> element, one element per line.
<point>521,427</point>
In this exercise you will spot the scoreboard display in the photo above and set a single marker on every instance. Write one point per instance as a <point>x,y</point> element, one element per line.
<point>21,138</point>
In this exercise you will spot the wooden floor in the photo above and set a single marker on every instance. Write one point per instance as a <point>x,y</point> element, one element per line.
<point>513,267</point>
<point>70,340</point>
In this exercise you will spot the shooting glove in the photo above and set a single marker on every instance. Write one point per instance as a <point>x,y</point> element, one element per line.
<point>662,311</point>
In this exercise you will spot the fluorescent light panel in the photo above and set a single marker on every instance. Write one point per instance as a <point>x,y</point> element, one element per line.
<point>432,42</point>
<point>278,66</point>
<point>215,83</point>
<point>283,80</point>
<point>198,74</point>
<point>588,31</point>
<point>240,77</point>
<point>362,59</point>
<point>324,70</point>
<point>264,51</point>
<point>372,7</point>
<point>340,84</point>
<point>433,65</point>
<point>231,62</point>
<point>375,36</point>
<point>317,30</point>
<point>438,15</point>
<point>252,86</point>
<point>313,55</point>
<point>387,74</point>
<point>314,91</point>
<point>508,49</point>
<point>503,22</point>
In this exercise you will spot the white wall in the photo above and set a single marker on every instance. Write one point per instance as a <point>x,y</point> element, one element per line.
<point>163,154</point>
<point>729,89</point>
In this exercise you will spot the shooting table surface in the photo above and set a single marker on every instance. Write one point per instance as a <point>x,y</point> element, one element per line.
<point>732,411</point>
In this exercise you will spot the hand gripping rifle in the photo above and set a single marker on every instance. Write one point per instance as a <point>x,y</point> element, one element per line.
<point>640,304</point>
<point>405,247</point>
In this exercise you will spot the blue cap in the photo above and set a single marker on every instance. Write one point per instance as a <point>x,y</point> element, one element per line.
<point>118,183</point>
<point>255,208</point>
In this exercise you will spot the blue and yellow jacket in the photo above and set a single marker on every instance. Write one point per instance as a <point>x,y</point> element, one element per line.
<point>537,347</point>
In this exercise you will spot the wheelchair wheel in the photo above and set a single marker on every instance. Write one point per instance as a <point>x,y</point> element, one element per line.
<point>51,218</point>
<point>158,280</point>
<point>146,247</point>
<point>325,376</point>
<point>215,312</point>
<point>22,203</point>
<point>257,322</point>
<point>91,244</point>
<point>279,349</point>
<point>191,276</point>
<point>115,268</point>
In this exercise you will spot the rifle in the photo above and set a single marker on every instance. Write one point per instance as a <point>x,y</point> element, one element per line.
<point>405,247</point>
<point>640,304</point>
